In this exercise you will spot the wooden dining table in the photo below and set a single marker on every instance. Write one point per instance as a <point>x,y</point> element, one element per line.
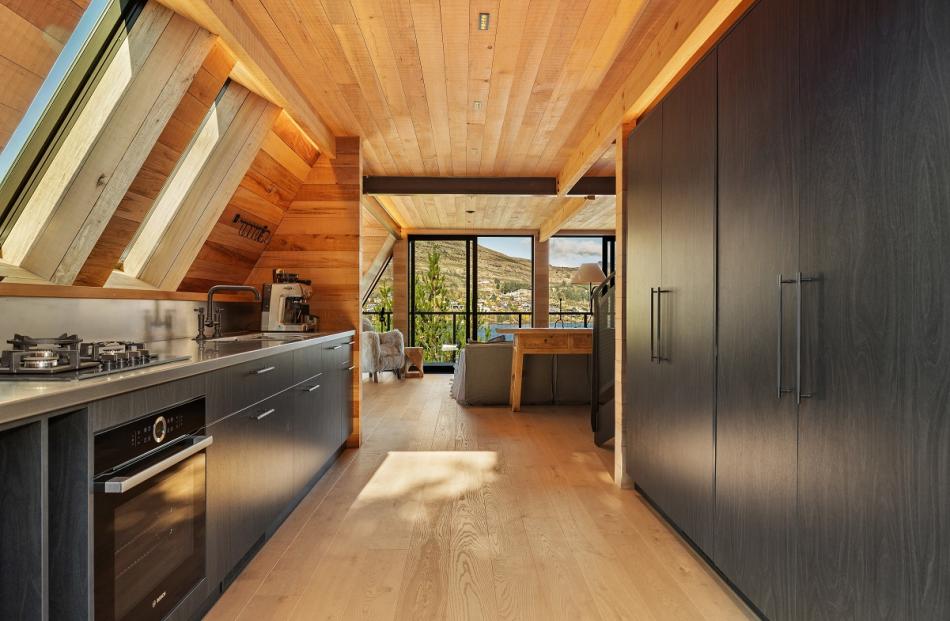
<point>549,341</point>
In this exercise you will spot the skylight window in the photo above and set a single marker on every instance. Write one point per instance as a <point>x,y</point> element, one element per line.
<point>98,35</point>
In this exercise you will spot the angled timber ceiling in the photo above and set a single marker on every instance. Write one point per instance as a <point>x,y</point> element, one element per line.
<point>432,94</point>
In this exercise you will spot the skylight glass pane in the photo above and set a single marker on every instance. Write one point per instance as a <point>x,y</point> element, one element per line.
<point>64,64</point>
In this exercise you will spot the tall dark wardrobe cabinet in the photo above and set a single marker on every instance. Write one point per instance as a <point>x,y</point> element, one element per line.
<point>828,438</point>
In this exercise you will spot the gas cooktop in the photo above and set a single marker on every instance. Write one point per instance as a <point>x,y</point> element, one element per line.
<point>67,357</point>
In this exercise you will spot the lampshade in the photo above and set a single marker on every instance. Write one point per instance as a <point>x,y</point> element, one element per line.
<point>588,274</point>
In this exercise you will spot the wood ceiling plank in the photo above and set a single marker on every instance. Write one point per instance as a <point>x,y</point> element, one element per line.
<point>569,16</point>
<point>402,39</point>
<point>510,24</point>
<point>326,51</point>
<point>291,133</point>
<point>455,38</point>
<point>537,28</point>
<point>689,29</point>
<point>481,53</point>
<point>224,18</point>
<point>427,21</point>
<point>608,25</point>
<point>374,33</point>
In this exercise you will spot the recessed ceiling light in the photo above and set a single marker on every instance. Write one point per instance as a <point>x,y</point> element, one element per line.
<point>483,20</point>
<point>477,104</point>
<point>469,211</point>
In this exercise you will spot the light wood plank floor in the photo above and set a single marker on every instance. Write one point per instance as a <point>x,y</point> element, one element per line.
<point>473,513</point>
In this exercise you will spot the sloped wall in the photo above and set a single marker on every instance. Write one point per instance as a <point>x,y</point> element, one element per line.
<point>263,197</point>
<point>157,168</point>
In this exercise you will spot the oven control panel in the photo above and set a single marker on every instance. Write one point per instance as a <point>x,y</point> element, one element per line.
<point>124,443</point>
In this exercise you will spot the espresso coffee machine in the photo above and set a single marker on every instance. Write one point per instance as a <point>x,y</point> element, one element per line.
<point>286,304</point>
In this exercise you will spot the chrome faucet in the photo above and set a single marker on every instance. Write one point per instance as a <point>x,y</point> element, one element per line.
<point>210,317</point>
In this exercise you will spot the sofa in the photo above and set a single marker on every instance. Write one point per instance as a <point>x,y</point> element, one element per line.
<point>483,377</point>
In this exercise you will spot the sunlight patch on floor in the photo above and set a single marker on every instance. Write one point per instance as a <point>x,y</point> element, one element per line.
<point>441,474</point>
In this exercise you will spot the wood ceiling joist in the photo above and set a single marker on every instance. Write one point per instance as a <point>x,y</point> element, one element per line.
<point>681,38</point>
<point>263,197</point>
<point>564,211</point>
<point>158,167</point>
<point>115,132</point>
<point>259,63</point>
<point>376,211</point>
<point>469,186</point>
<point>166,249</point>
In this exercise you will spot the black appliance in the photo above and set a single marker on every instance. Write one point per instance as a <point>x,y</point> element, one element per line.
<point>67,357</point>
<point>149,531</point>
<point>602,384</point>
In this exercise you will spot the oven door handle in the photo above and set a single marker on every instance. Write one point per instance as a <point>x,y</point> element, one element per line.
<point>120,485</point>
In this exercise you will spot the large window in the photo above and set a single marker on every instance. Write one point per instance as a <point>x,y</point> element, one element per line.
<point>378,306</point>
<point>80,65</point>
<point>570,303</point>
<point>466,288</point>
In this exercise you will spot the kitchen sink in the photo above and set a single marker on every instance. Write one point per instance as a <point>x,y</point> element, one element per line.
<point>265,336</point>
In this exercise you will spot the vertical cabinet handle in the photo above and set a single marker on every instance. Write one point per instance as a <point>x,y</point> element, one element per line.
<point>780,324</point>
<point>652,327</point>
<point>658,354</point>
<point>799,395</point>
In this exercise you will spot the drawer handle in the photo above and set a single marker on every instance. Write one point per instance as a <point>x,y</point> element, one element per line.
<point>265,414</point>
<point>350,342</point>
<point>264,370</point>
<point>351,367</point>
<point>337,347</point>
<point>312,388</point>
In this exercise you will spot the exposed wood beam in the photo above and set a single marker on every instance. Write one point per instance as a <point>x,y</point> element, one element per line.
<point>383,216</point>
<point>691,29</point>
<point>565,211</point>
<point>492,186</point>
<point>201,188</point>
<point>114,133</point>
<point>259,66</point>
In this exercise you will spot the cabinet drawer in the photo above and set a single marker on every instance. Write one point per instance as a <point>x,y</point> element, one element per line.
<point>582,341</point>
<point>545,341</point>
<point>309,362</point>
<point>339,353</point>
<point>251,382</point>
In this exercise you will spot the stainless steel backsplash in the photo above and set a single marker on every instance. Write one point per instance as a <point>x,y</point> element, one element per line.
<point>94,320</point>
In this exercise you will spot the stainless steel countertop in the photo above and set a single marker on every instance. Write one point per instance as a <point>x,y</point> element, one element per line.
<point>20,400</point>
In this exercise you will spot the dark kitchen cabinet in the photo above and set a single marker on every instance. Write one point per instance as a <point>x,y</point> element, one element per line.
<point>686,330</point>
<point>874,471</point>
<point>311,427</point>
<point>642,252</point>
<point>757,418</point>
<point>671,291</point>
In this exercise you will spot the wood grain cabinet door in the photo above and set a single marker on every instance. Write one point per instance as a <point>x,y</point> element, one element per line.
<point>686,316</point>
<point>756,418</point>
<point>874,443</point>
<point>642,252</point>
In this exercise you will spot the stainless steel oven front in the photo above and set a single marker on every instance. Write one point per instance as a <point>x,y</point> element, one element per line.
<point>149,506</point>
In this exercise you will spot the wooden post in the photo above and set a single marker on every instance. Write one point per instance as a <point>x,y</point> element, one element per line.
<point>542,291</point>
<point>621,478</point>
<point>319,239</point>
<point>401,287</point>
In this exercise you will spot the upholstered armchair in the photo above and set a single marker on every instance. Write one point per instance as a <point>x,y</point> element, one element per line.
<point>381,351</point>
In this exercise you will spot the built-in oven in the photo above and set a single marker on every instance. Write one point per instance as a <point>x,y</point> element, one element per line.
<point>149,508</point>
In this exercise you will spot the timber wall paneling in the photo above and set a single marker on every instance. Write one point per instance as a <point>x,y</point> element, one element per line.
<point>401,287</point>
<point>113,135</point>
<point>263,197</point>
<point>34,34</point>
<point>319,239</point>
<point>542,286</point>
<point>170,250</point>
<point>158,168</point>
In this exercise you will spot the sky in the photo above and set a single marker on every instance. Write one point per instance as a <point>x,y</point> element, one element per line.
<point>564,251</point>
